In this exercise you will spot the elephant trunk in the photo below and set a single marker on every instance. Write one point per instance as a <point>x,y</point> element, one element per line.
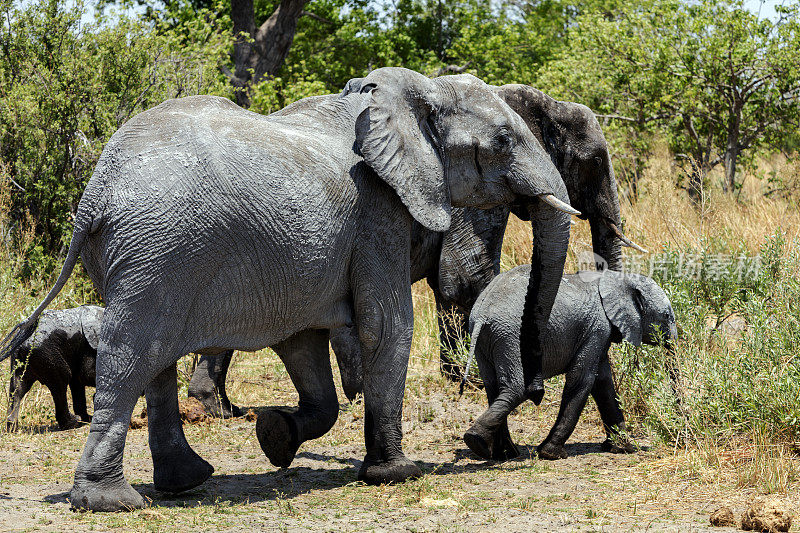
<point>604,220</point>
<point>550,242</point>
<point>607,247</point>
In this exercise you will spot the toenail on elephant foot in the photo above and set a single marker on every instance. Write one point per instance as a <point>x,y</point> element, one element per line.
<point>277,435</point>
<point>179,472</point>
<point>387,472</point>
<point>480,442</point>
<point>104,497</point>
<point>551,451</point>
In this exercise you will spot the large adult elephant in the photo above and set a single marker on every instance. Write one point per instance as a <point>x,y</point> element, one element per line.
<point>461,261</point>
<point>208,228</point>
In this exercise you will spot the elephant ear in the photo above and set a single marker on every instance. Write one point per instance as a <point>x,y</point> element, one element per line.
<point>353,85</point>
<point>622,303</point>
<point>91,321</point>
<point>396,138</point>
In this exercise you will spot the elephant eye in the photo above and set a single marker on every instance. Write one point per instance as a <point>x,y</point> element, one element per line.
<point>598,160</point>
<point>504,142</point>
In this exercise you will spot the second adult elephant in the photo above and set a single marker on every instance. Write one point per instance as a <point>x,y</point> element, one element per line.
<point>461,261</point>
<point>209,228</point>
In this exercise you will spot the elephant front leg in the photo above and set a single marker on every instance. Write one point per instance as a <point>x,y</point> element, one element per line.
<point>176,467</point>
<point>208,385</point>
<point>385,329</point>
<point>281,431</point>
<point>78,391</point>
<point>65,419</point>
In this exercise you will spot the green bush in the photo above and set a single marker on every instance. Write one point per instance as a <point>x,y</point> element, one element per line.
<point>737,355</point>
<point>66,86</point>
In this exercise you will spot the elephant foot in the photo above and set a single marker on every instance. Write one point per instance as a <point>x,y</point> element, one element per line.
<point>498,447</point>
<point>218,407</point>
<point>180,471</point>
<point>277,435</point>
<point>480,441</point>
<point>86,418</point>
<point>504,448</point>
<point>619,444</point>
<point>105,497</point>
<point>551,452</point>
<point>386,472</point>
<point>70,423</point>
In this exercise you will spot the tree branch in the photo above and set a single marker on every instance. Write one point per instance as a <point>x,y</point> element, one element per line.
<point>314,16</point>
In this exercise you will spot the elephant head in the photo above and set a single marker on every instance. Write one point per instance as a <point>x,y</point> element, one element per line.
<point>638,308</point>
<point>570,133</point>
<point>453,140</point>
<point>640,312</point>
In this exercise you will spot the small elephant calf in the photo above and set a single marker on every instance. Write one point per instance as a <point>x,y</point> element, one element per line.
<point>592,310</point>
<point>61,352</point>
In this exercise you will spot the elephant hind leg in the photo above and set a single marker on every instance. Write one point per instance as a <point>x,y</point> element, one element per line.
<point>489,437</point>
<point>605,396</point>
<point>65,419</point>
<point>579,383</point>
<point>281,431</point>
<point>176,467</point>
<point>126,364</point>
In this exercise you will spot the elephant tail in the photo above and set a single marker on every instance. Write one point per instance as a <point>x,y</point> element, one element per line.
<point>473,343</point>
<point>23,330</point>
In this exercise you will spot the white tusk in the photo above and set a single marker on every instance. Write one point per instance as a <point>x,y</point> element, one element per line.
<point>626,241</point>
<point>558,204</point>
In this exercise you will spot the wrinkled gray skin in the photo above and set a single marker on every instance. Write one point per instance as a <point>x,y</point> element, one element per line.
<point>61,353</point>
<point>209,228</point>
<point>592,310</point>
<point>460,262</point>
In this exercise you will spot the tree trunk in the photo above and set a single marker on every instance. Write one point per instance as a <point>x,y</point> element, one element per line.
<point>732,150</point>
<point>731,155</point>
<point>260,52</point>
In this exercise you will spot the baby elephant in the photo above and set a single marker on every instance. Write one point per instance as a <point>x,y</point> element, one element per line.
<point>61,352</point>
<point>592,310</point>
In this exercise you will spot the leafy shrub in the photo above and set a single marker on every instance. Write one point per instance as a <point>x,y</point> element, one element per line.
<point>66,86</point>
<point>737,354</point>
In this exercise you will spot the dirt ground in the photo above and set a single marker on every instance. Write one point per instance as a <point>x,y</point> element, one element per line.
<point>589,491</point>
